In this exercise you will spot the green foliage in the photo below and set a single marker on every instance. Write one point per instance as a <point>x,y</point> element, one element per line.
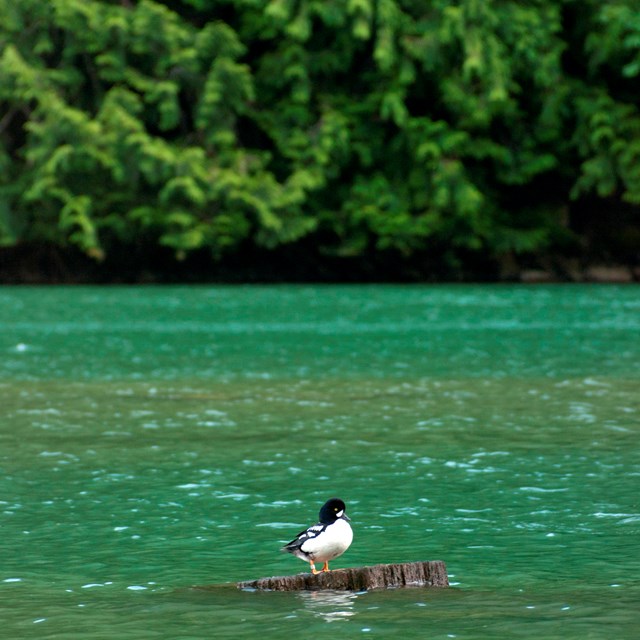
<point>376,124</point>
<point>615,42</point>
<point>608,137</point>
<point>608,131</point>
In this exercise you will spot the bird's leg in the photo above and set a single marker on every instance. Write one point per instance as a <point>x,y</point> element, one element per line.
<point>313,568</point>
<point>326,567</point>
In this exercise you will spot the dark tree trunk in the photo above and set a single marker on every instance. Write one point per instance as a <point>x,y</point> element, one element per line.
<point>408,574</point>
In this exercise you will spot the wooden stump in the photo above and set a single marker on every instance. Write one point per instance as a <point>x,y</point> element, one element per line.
<point>380,576</point>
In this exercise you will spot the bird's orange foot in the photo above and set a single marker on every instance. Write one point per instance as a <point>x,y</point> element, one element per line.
<point>313,569</point>
<point>325,568</point>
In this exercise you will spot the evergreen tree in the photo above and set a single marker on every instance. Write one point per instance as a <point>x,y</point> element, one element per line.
<point>450,126</point>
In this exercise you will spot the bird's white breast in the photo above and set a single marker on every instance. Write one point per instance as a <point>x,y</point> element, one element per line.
<point>331,543</point>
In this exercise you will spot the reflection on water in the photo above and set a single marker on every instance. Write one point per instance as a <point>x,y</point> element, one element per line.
<point>331,606</point>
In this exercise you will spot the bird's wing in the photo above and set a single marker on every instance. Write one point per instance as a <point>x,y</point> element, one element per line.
<point>308,534</point>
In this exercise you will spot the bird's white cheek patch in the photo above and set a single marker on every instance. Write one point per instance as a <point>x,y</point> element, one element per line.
<point>339,514</point>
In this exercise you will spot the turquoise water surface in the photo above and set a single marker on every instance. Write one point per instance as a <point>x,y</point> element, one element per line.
<point>157,438</point>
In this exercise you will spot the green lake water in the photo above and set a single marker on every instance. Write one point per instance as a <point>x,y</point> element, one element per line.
<point>156,438</point>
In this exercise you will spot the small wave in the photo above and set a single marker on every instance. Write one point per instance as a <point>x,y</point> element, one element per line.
<point>543,490</point>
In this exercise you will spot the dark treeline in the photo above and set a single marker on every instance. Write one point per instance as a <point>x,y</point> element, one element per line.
<point>318,139</point>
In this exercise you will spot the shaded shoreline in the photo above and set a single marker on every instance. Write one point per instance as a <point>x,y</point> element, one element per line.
<point>303,263</point>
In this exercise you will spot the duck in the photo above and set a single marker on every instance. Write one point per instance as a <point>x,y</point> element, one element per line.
<point>324,541</point>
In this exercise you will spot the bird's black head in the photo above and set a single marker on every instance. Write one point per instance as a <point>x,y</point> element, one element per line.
<point>331,510</point>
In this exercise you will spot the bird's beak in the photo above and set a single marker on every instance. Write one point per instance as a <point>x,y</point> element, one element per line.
<point>346,517</point>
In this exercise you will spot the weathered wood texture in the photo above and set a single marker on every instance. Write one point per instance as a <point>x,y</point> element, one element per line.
<point>380,576</point>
